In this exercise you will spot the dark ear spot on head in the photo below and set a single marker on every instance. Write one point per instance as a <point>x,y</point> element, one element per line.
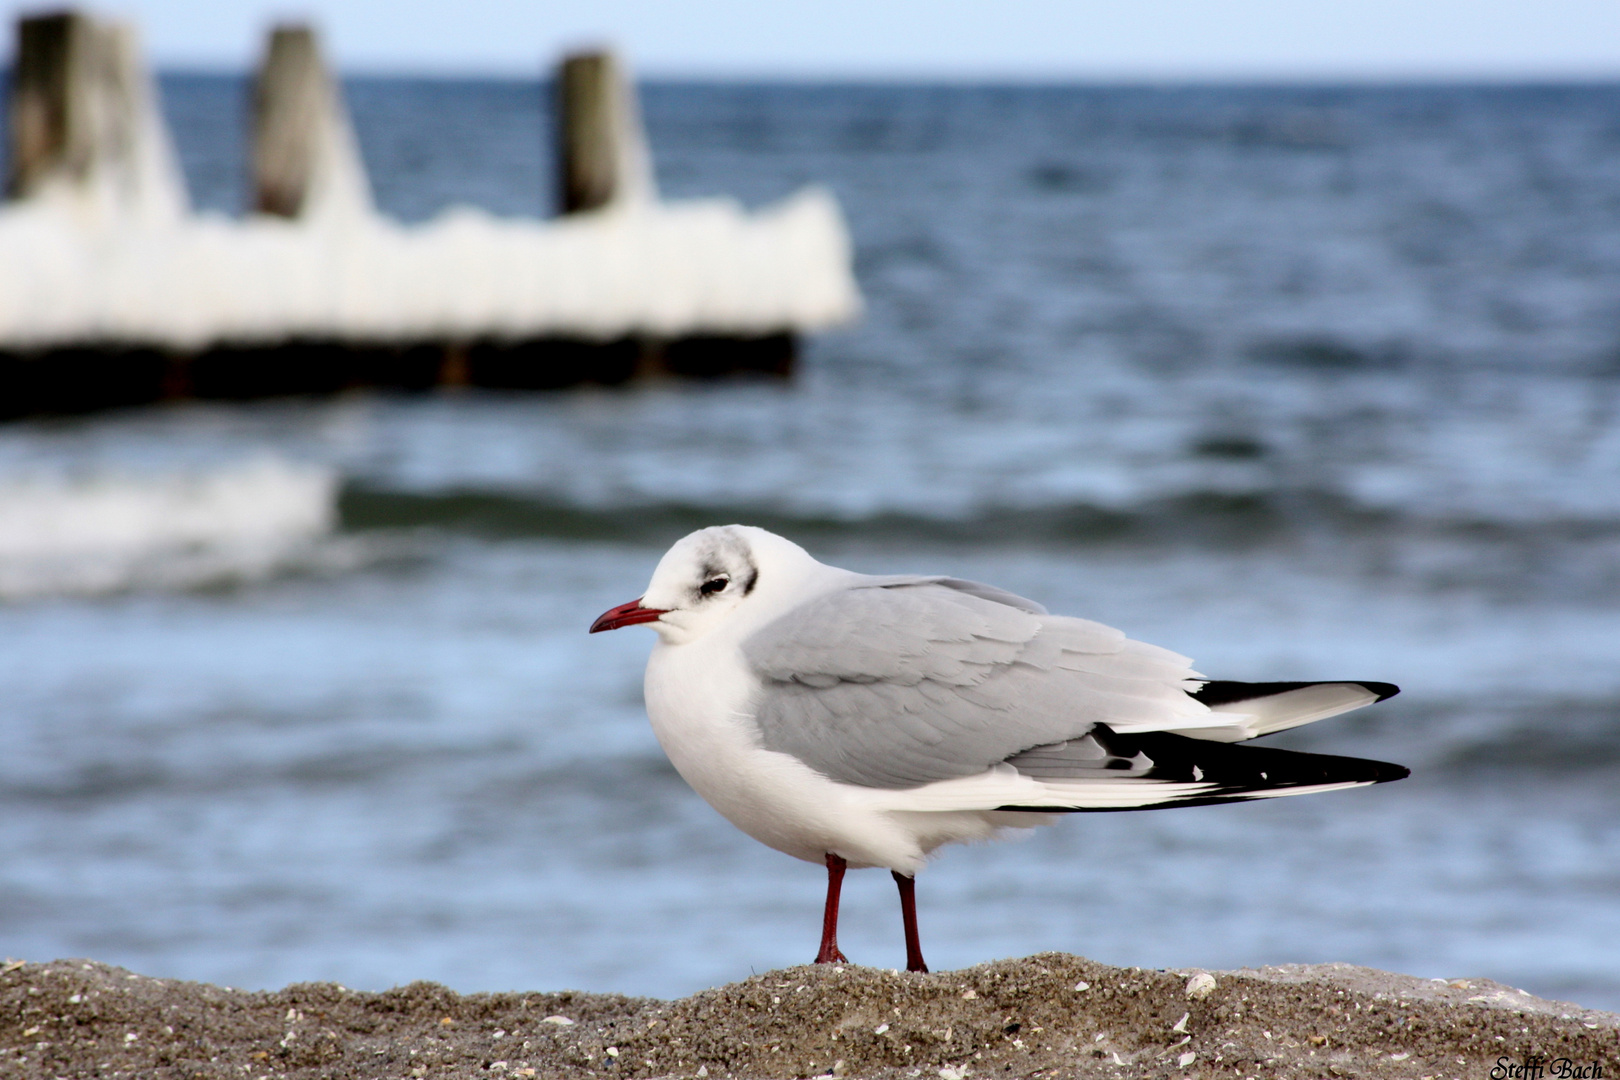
<point>750,576</point>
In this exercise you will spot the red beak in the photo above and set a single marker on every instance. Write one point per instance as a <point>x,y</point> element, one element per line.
<point>625,615</point>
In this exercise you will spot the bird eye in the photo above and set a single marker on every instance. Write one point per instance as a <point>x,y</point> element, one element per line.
<point>714,585</point>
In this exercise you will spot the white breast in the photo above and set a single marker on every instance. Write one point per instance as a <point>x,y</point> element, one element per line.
<point>698,699</point>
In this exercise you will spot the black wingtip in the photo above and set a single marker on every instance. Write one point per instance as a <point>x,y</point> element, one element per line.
<point>1382,772</point>
<point>1226,691</point>
<point>1233,772</point>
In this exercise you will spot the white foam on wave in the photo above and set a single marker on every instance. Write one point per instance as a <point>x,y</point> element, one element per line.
<point>108,532</point>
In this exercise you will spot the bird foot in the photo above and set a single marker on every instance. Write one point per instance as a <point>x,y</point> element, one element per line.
<point>831,956</point>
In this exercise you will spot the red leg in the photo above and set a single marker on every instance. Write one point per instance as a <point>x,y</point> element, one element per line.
<point>908,913</point>
<point>829,953</point>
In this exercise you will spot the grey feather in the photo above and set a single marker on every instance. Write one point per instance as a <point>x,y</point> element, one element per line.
<point>972,588</point>
<point>899,682</point>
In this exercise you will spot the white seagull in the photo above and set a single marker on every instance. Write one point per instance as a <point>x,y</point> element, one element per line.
<point>859,720</point>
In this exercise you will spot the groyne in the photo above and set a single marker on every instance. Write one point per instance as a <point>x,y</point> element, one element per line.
<point>113,292</point>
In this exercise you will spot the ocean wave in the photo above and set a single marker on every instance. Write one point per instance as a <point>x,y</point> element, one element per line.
<point>112,531</point>
<point>1216,518</point>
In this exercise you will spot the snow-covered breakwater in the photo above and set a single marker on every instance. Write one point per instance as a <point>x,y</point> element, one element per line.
<point>113,291</point>
<point>666,270</point>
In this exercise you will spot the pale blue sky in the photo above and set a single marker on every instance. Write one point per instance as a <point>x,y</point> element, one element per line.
<point>951,39</point>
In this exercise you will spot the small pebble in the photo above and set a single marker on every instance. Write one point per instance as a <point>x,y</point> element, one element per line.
<point>560,1021</point>
<point>1186,1059</point>
<point>1200,986</point>
<point>1081,987</point>
<point>880,1029</point>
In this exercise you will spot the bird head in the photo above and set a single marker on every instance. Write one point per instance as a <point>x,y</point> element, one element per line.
<point>708,576</point>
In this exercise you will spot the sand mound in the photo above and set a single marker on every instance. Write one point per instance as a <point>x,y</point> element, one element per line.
<point>1052,1014</point>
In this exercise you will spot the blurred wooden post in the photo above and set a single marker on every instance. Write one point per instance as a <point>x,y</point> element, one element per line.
<point>304,155</point>
<point>47,125</point>
<point>85,127</point>
<point>287,101</point>
<point>601,150</point>
<point>66,101</point>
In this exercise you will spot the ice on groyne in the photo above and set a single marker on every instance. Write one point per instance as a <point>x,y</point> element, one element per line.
<point>660,269</point>
<point>108,531</point>
<point>115,258</point>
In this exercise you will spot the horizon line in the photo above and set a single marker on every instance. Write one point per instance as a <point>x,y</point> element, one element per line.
<point>1143,80</point>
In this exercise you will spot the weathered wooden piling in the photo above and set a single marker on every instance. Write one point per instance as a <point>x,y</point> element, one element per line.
<point>602,155</point>
<point>84,121</point>
<point>53,132</point>
<point>305,157</point>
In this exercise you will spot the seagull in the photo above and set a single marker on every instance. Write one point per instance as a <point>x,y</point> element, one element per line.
<point>858,720</point>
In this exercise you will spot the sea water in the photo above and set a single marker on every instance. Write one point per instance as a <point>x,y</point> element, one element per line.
<point>1303,383</point>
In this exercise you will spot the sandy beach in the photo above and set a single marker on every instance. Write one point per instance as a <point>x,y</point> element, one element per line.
<point>1047,1015</point>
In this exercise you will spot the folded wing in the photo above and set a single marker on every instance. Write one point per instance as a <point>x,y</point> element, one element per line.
<point>899,683</point>
<point>978,695</point>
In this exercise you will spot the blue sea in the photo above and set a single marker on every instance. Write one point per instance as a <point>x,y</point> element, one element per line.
<point>1305,383</point>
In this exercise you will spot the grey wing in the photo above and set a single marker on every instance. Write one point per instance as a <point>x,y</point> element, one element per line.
<point>972,588</point>
<point>901,682</point>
